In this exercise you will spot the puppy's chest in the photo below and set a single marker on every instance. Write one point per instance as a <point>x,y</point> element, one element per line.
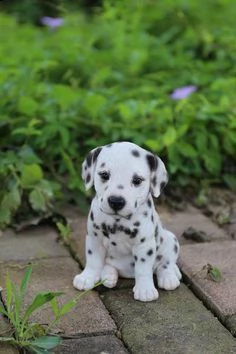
<point>121,236</point>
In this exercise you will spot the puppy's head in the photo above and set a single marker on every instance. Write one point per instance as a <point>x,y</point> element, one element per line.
<point>123,174</point>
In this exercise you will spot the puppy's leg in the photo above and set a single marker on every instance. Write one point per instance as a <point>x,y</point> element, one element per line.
<point>95,255</point>
<point>168,274</point>
<point>109,276</point>
<point>144,257</point>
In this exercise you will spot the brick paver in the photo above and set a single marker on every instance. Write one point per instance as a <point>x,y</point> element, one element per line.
<point>220,296</point>
<point>177,322</point>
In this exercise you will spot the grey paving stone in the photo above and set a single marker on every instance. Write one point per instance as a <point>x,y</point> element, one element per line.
<point>176,323</point>
<point>108,344</point>
<point>37,242</point>
<point>56,274</point>
<point>219,296</point>
<point>221,255</point>
<point>180,221</point>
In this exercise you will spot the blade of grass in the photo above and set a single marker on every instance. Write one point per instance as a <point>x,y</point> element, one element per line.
<point>25,281</point>
<point>39,301</point>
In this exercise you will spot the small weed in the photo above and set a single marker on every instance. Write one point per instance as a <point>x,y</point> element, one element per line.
<point>28,335</point>
<point>211,273</point>
<point>64,230</point>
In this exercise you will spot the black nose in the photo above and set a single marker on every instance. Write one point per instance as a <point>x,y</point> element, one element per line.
<point>116,203</point>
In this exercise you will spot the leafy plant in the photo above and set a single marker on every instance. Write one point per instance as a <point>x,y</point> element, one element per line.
<point>26,334</point>
<point>114,81</point>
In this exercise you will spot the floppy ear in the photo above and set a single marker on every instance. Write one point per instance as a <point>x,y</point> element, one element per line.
<point>159,177</point>
<point>88,167</point>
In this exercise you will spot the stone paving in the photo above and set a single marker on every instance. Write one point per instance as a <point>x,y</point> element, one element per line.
<point>199,317</point>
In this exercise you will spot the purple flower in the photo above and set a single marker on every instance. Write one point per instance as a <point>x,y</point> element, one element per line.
<point>183,92</point>
<point>51,22</point>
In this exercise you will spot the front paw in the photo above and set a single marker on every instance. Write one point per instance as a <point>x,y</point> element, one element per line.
<point>168,280</point>
<point>109,276</point>
<point>145,293</point>
<point>85,280</point>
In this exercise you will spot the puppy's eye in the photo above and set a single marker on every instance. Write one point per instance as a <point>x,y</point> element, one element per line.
<point>104,175</point>
<point>137,181</point>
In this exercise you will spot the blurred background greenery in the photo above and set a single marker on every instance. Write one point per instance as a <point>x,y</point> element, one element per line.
<point>78,74</point>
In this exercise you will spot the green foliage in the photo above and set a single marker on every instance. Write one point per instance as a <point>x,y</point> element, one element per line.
<point>27,334</point>
<point>109,77</point>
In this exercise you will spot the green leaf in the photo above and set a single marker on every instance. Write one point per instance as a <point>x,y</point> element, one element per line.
<point>39,300</point>
<point>215,274</point>
<point>25,280</point>
<point>9,293</point>
<point>186,149</point>
<point>37,200</point>
<point>47,342</point>
<point>230,180</point>
<point>5,217</point>
<point>11,200</point>
<point>31,174</point>
<point>67,307</point>
<point>55,307</point>
<point>27,105</point>
<point>169,137</point>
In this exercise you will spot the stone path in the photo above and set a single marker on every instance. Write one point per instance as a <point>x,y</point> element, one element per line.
<point>199,317</point>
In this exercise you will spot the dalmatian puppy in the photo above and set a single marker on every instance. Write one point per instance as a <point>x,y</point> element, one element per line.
<point>125,236</point>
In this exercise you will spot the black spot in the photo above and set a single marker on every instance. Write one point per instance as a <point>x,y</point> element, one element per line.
<point>152,162</point>
<point>168,262</point>
<point>95,233</point>
<point>157,247</point>
<point>113,243</point>
<point>143,259</point>
<point>85,167</point>
<point>161,239</point>
<point>111,257</point>
<point>91,216</point>
<point>105,230</point>
<point>132,264</point>
<point>121,228</point>
<point>129,216</point>
<point>149,203</point>
<point>145,214</point>
<point>106,188</point>
<point>164,266</point>
<point>134,233</point>
<point>120,186</point>
<point>162,185</point>
<point>158,257</point>
<point>156,231</point>
<point>142,239</point>
<point>89,159</point>
<point>90,252</point>
<point>152,218</point>
<point>127,231</point>
<point>96,226</point>
<point>88,178</point>
<point>150,252</point>
<point>109,145</point>
<point>135,153</point>
<point>154,181</point>
<point>176,248</point>
<point>103,165</point>
<point>136,204</point>
<point>118,219</point>
<point>96,153</point>
<point>136,223</point>
<point>135,258</point>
